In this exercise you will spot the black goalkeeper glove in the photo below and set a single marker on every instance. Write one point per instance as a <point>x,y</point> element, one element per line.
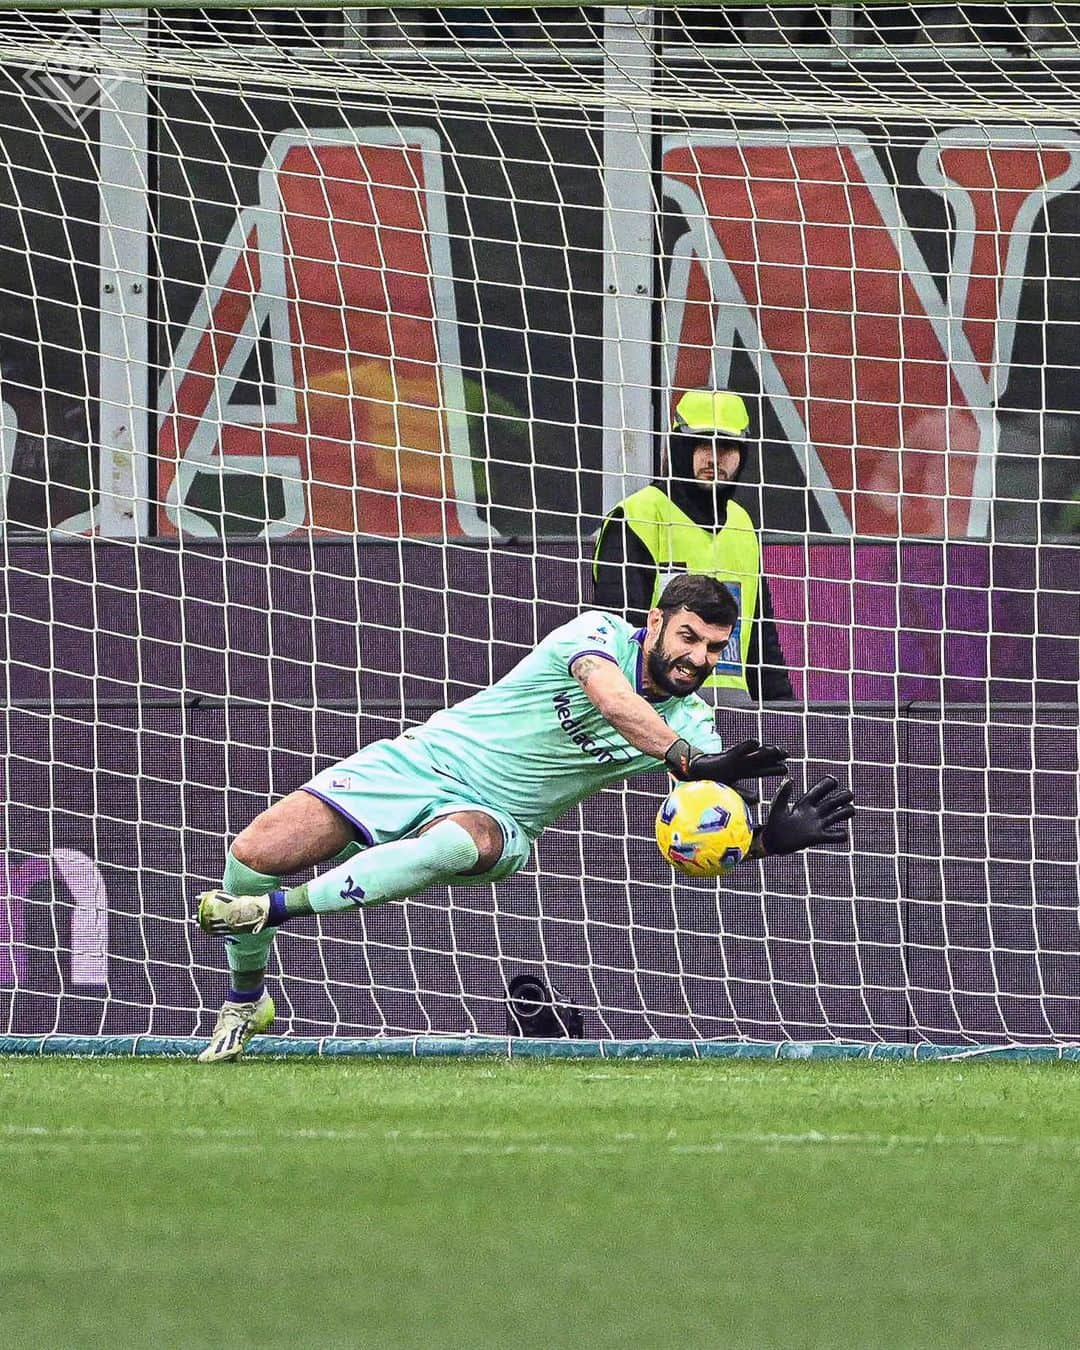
<point>748,759</point>
<point>818,817</point>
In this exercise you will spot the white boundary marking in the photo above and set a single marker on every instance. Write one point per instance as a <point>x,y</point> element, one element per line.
<point>491,1142</point>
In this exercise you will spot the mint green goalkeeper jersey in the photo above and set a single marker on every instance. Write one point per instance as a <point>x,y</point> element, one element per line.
<point>533,745</point>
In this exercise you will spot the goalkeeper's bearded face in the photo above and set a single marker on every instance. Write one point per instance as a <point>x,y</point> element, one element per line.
<point>681,651</point>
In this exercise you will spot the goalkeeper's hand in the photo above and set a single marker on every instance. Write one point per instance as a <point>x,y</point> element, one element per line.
<point>818,817</point>
<point>748,759</point>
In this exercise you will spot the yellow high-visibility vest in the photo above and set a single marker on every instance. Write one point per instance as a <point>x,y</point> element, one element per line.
<point>732,555</point>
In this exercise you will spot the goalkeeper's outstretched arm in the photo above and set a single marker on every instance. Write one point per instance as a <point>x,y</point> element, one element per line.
<point>819,817</point>
<point>613,696</point>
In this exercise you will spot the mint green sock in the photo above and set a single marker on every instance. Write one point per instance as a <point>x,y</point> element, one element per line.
<point>247,953</point>
<point>388,872</point>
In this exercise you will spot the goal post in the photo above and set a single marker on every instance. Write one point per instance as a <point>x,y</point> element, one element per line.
<point>329,335</point>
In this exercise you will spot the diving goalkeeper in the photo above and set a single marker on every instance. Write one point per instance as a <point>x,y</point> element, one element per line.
<point>461,798</point>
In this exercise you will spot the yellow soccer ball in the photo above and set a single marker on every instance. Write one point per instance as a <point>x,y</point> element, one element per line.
<point>704,829</point>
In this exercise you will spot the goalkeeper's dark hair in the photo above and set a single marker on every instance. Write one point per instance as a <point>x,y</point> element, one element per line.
<point>704,596</point>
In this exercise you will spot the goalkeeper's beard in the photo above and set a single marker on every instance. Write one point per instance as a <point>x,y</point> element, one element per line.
<point>659,666</point>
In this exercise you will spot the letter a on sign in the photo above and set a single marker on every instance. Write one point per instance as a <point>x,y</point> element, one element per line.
<point>332,298</point>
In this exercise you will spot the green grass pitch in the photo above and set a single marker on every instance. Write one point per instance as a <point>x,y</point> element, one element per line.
<point>591,1204</point>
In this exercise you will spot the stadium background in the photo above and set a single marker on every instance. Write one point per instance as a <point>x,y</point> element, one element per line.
<point>182,679</point>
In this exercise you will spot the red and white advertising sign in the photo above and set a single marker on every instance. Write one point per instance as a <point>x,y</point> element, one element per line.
<point>337,288</point>
<point>885,381</point>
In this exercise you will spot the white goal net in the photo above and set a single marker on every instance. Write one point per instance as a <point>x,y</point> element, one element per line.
<point>327,339</point>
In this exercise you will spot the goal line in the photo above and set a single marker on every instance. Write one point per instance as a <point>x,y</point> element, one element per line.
<point>515,1047</point>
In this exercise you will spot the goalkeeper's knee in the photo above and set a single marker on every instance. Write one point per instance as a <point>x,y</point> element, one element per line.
<point>239,879</point>
<point>487,836</point>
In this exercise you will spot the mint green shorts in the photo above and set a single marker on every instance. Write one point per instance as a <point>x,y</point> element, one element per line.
<point>391,789</point>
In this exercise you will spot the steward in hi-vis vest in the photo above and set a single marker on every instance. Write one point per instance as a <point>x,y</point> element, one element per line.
<point>689,522</point>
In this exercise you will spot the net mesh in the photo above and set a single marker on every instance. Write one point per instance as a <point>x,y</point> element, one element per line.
<point>891,62</point>
<point>328,338</point>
